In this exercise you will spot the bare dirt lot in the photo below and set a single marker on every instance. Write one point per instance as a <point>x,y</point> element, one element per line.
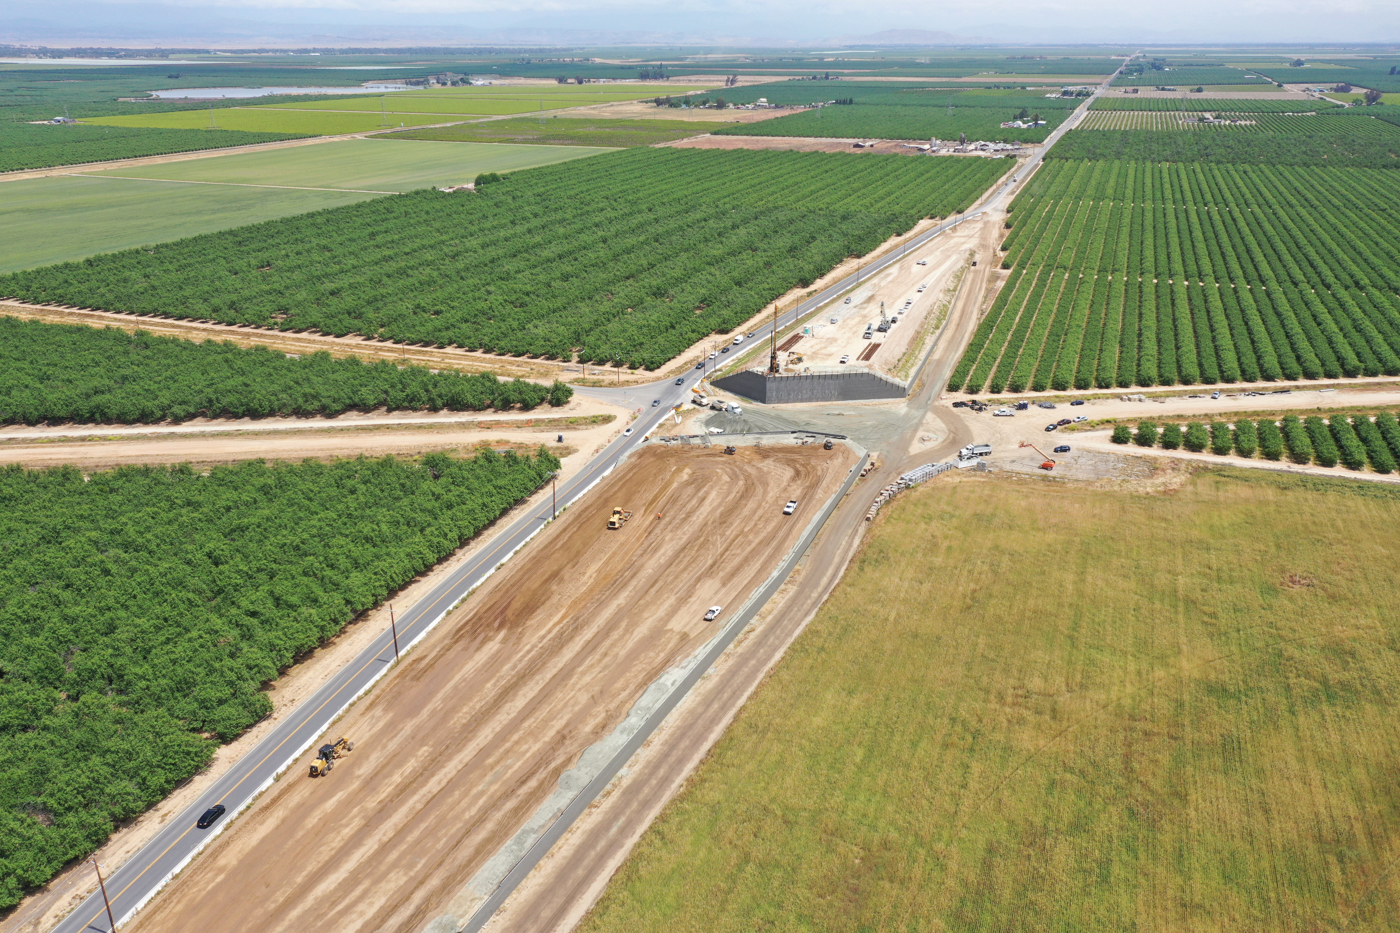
<point>894,285</point>
<point>465,740</point>
<point>1093,457</point>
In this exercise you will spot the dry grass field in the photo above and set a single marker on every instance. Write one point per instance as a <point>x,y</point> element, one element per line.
<point>1041,706</point>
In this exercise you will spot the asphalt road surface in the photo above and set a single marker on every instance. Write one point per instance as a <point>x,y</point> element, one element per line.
<point>141,876</point>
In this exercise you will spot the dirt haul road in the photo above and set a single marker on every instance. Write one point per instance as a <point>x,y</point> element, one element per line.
<point>457,748</point>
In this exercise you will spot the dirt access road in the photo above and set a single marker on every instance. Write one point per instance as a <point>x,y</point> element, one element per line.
<point>469,736</point>
<point>839,330</point>
<point>351,435</point>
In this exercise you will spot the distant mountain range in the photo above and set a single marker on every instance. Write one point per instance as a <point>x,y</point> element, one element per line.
<point>905,38</point>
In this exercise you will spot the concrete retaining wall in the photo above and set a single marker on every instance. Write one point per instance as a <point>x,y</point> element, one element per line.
<point>853,386</point>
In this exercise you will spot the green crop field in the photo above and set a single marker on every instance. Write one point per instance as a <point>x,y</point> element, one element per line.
<point>274,120</point>
<point>628,257</point>
<point>26,146</point>
<point>362,114</point>
<point>49,220</point>
<point>1135,273</point>
<point>1109,711</point>
<point>562,131</point>
<point>361,164</point>
<point>56,219</point>
<point>478,101</point>
<point>143,611</point>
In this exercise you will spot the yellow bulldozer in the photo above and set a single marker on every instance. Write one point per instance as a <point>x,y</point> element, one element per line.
<point>619,516</point>
<point>325,758</point>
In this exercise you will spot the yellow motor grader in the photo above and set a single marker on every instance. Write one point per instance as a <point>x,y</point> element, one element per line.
<point>325,758</point>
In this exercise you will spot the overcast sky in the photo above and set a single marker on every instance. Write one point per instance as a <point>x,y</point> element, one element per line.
<point>720,21</point>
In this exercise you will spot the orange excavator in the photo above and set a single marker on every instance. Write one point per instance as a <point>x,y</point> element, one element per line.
<point>1048,462</point>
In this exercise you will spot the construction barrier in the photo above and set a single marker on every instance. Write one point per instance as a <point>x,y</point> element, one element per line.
<point>912,478</point>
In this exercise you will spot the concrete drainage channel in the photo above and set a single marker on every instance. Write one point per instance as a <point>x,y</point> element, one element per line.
<point>601,762</point>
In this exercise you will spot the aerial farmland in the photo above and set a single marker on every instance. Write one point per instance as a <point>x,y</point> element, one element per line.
<point>889,482</point>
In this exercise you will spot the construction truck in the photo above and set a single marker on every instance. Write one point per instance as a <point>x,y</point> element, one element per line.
<point>618,517</point>
<point>325,758</point>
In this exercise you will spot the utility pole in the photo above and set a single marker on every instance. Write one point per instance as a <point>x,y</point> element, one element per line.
<point>97,868</point>
<point>554,491</point>
<point>773,369</point>
<point>394,627</point>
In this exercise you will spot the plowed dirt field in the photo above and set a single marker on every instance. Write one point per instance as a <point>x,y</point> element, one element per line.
<point>456,748</point>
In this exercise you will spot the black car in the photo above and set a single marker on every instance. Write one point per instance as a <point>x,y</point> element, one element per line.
<point>1052,427</point>
<point>700,365</point>
<point>680,380</point>
<point>210,815</point>
<point>725,350</point>
<point>1062,449</point>
<point>1078,401</point>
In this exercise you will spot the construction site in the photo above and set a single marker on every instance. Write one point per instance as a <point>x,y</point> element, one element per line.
<point>463,743</point>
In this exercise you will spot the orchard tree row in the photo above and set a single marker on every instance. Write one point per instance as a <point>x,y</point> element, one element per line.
<point>629,257</point>
<point>1345,138</point>
<point>1130,273</point>
<point>1198,104</point>
<point>1355,442</point>
<point>143,610</point>
<point>57,373</point>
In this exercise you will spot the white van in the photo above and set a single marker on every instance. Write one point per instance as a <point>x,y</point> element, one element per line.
<point>739,339</point>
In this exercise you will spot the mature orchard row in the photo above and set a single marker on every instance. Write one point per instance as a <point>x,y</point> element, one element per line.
<point>1196,103</point>
<point>1185,77</point>
<point>25,145</point>
<point>631,256</point>
<point>1344,137</point>
<point>894,94</point>
<point>1308,124</point>
<point>914,122</point>
<point>896,110</point>
<point>55,372</point>
<point>141,612</point>
<point>1132,273</point>
<point>1355,443</point>
<point>1379,73</point>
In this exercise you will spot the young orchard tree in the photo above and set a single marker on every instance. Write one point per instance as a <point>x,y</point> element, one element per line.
<point>1171,437</point>
<point>1196,438</point>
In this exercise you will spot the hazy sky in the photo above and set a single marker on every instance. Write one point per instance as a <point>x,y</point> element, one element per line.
<point>1195,21</point>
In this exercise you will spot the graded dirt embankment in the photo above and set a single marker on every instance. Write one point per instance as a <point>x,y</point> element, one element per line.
<point>470,735</point>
